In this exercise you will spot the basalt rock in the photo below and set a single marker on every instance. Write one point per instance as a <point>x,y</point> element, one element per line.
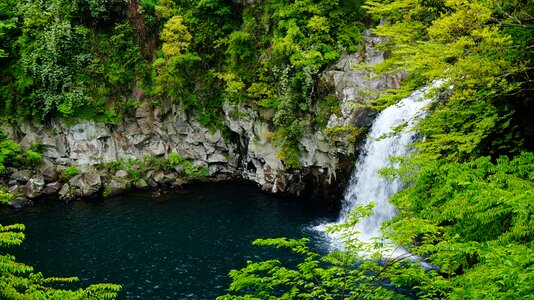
<point>245,150</point>
<point>20,202</point>
<point>87,184</point>
<point>66,194</point>
<point>22,175</point>
<point>121,173</point>
<point>34,187</point>
<point>52,188</point>
<point>141,184</point>
<point>116,187</point>
<point>50,175</point>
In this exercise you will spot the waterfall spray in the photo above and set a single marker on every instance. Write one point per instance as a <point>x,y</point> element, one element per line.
<point>366,185</point>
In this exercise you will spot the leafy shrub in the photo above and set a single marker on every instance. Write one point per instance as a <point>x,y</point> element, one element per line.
<point>69,172</point>
<point>340,132</point>
<point>20,281</point>
<point>327,106</point>
<point>361,271</point>
<point>173,160</point>
<point>5,197</point>
<point>10,154</point>
<point>33,157</point>
<point>193,171</point>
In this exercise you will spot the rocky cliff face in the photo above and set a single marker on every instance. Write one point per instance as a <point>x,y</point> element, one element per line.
<point>247,153</point>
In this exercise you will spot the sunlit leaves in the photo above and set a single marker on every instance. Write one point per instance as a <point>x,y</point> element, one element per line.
<point>358,272</point>
<point>175,36</point>
<point>460,215</point>
<point>467,42</point>
<point>19,281</point>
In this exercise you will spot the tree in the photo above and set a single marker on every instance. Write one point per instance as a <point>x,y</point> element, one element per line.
<point>20,281</point>
<point>360,271</point>
<point>474,221</point>
<point>484,50</point>
<point>467,206</point>
<point>467,209</point>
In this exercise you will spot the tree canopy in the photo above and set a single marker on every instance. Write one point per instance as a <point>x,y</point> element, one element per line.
<point>467,209</point>
<point>20,281</point>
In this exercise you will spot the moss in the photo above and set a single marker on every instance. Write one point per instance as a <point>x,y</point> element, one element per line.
<point>350,133</point>
<point>69,172</point>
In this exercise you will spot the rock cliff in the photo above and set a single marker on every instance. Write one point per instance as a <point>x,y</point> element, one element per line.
<point>246,152</point>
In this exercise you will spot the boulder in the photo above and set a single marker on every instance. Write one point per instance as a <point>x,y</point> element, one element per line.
<point>21,175</point>
<point>180,181</point>
<point>116,187</point>
<point>141,184</point>
<point>65,193</point>
<point>169,178</point>
<point>152,183</point>
<point>52,188</point>
<point>159,177</point>
<point>91,184</point>
<point>121,174</point>
<point>34,187</point>
<point>86,183</point>
<point>14,190</point>
<point>20,202</point>
<point>50,175</point>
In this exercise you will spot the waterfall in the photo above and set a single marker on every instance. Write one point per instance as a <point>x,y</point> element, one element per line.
<point>366,185</point>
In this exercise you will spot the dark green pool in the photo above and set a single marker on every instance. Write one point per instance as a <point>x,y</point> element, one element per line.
<point>179,246</point>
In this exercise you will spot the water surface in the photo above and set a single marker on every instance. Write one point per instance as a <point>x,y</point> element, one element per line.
<point>179,246</point>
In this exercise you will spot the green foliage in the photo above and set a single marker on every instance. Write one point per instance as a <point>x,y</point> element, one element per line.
<point>186,68</point>
<point>193,171</point>
<point>174,159</point>
<point>63,60</point>
<point>190,170</point>
<point>467,219</point>
<point>69,172</point>
<point>83,58</point>
<point>351,132</point>
<point>327,106</point>
<point>12,155</point>
<point>5,197</point>
<point>33,157</point>
<point>482,49</point>
<point>137,168</point>
<point>274,59</point>
<point>175,36</point>
<point>472,221</point>
<point>466,209</point>
<point>20,281</point>
<point>348,274</point>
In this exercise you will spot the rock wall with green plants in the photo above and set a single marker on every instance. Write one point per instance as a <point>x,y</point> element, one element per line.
<point>82,59</point>
<point>258,90</point>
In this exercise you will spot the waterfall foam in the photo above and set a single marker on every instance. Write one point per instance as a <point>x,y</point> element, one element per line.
<point>366,184</point>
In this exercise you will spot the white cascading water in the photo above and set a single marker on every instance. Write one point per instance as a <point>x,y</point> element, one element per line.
<point>366,185</point>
